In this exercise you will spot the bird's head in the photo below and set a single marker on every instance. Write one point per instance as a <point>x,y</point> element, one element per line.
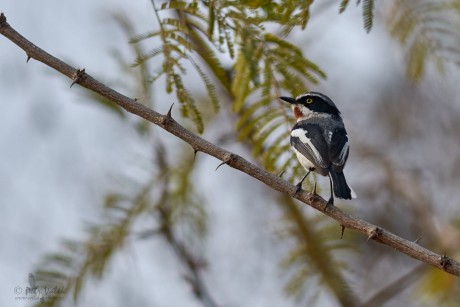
<point>310,103</point>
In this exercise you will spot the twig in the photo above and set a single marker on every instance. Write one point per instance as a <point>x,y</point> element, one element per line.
<point>199,144</point>
<point>192,263</point>
<point>393,289</point>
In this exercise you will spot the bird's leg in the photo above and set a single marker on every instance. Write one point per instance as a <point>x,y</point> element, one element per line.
<point>330,202</point>
<point>299,185</point>
<point>314,189</point>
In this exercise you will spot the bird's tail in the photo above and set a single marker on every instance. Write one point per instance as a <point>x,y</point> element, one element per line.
<point>341,188</point>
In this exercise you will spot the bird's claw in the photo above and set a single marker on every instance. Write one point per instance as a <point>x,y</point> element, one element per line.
<point>329,203</point>
<point>298,187</point>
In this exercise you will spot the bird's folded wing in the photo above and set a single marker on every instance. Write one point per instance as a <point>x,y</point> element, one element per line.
<point>339,147</point>
<point>309,140</point>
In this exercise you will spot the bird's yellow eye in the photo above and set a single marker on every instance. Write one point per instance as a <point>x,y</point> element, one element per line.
<point>309,100</point>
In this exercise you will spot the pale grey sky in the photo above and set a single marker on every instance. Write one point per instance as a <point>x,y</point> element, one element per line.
<point>60,154</point>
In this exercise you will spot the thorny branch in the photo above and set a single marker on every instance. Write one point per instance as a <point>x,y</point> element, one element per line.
<point>131,105</point>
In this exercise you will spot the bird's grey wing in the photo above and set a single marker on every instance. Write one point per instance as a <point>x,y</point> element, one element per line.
<point>308,139</point>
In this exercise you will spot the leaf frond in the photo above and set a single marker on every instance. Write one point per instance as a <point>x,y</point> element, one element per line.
<point>425,30</point>
<point>368,14</point>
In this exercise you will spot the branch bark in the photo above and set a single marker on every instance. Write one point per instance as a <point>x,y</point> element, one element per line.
<point>378,234</point>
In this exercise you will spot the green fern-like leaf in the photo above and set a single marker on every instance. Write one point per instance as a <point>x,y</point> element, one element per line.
<point>249,112</point>
<point>190,7</point>
<point>264,64</point>
<point>343,6</point>
<point>79,261</point>
<point>211,89</point>
<point>416,59</point>
<point>426,30</point>
<point>310,255</point>
<point>208,55</point>
<point>145,57</point>
<point>261,121</point>
<point>265,133</point>
<point>241,82</point>
<point>140,37</point>
<point>368,14</point>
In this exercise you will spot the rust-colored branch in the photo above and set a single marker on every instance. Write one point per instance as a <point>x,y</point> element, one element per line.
<point>166,122</point>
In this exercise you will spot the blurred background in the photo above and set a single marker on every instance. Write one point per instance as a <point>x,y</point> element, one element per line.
<point>113,211</point>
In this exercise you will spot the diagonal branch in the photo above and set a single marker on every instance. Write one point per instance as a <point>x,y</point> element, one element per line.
<point>166,122</point>
<point>397,286</point>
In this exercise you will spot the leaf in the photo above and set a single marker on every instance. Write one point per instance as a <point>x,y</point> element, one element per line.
<point>245,115</point>
<point>209,56</point>
<point>140,37</point>
<point>264,134</point>
<point>282,44</point>
<point>77,288</point>
<point>145,57</point>
<point>188,103</point>
<point>416,60</point>
<point>368,14</point>
<point>208,84</point>
<point>343,6</point>
<point>173,5</point>
<point>240,85</point>
<point>211,18</point>
<point>426,29</point>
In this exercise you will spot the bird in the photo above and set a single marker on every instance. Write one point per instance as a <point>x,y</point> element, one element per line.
<point>320,141</point>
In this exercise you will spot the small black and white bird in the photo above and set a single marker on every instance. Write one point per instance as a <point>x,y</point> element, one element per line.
<point>320,141</point>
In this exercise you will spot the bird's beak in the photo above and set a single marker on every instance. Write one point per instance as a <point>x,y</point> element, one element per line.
<point>288,99</point>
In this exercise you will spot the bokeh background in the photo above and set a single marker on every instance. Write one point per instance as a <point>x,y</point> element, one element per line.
<point>64,155</point>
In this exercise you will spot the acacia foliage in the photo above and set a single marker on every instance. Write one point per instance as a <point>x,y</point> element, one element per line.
<point>201,38</point>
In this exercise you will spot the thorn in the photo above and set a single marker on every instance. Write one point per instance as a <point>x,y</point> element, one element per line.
<point>374,233</point>
<point>417,240</point>
<point>343,230</point>
<point>169,112</point>
<point>445,261</point>
<point>281,173</point>
<point>78,76</point>
<point>195,151</point>
<point>219,166</point>
<point>2,19</point>
<point>167,118</point>
<point>227,160</point>
<point>136,100</point>
<point>28,58</point>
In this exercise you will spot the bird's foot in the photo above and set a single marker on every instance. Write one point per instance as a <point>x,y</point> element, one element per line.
<point>298,187</point>
<point>329,203</point>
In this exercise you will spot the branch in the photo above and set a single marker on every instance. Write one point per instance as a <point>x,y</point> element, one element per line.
<point>192,265</point>
<point>79,76</point>
<point>396,287</point>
